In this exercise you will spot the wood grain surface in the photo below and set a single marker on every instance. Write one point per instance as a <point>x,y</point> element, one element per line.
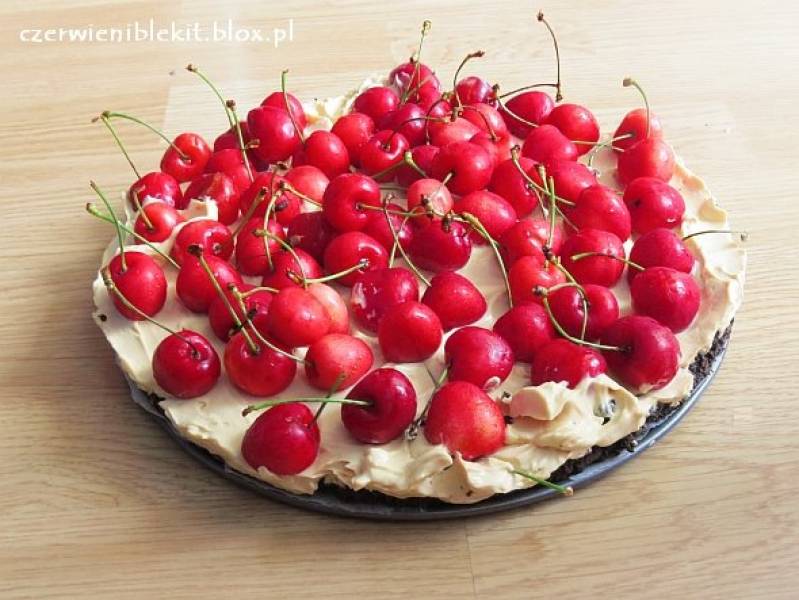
<point>97,502</point>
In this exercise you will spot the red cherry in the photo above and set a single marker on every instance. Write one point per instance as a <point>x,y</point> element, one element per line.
<point>214,238</point>
<point>652,204</point>
<point>278,100</point>
<point>434,104</point>
<point>409,332</point>
<point>337,359</point>
<point>570,178</point>
<point>141,281</point>
<point>157,185</point>
<point>649,354</point>
<point>494,212</point>
<point>443,246</point>
<point>193,286</point>
<point>530,106</point>
<point>310,232</point>
<point>326,151</point>
<point>567,307</point>
<point>378,227</point>
<point>195,154</point>
<point>478,356</point>
<point>668,296</point>
<point>527,238</point>
<point>284,440</point>
<point>509,183</point>
<point>469,164</point>
<point>525,328</point>
<point>455,300</point>
<point>185,365</point>
<point>466,420</point>
<point>376,102</point>
<point>450,131</point>
<point>601,270</point>
<point>272,127</point>
<point>423,156</point>
<point>660,248</point>
<point>562,360</point>
<point>345,198</point>
<point>529,273</point>
<point>634,123</point>
<point>285,269</point>
<point>307,180</point>
<point>599,207</point>
<point>546,143</point>
<point>230,138</point>
<point>354,130</point>
<point>474,90</point>
<point>391,408</point>
<point>379,290</point>
<point>409,121</point>
<point>486,118</point>
<point>412,75</point>
<point>219,188</point>
<point>498,148</point>
<point>351,248</point>
<point>161,221</point>
<point>256,305</point>
<point>265,185</point>
<point>651,157</point>
<point>334,305</point>
<point>296,318</point>
<point>262,373</point>
<point>251,249</point>
<point>577,123</point>
<point>428,192</point>
<point>230,163</point>
<point>383,150</point>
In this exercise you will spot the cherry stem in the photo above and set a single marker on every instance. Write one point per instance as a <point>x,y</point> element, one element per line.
<point>744,235</point>
<point>117,224</point>
<point>116,115</point>
<point>415,58</point>
<point>531,184</point>
<point>566,490</point>
<point>491,132</point>
<point>413,429</point>
<point>215,90</point>
<point>467,58</point>
<point>524,88</point>
<point>543,293</point>
<point>629,81</point>
<point>237,294</point>
<point>288,248</point>
<point>260,288</point>
<point>389,169</point>
<point>92,210</point>
<point>626,261</point>
<point>250,211</point>
<point>134,196</point>
<point>287,187</point>
<point>398,246</point>
<point>231,106</point>
<point>359,266</point>
<point>110,128</point>
<point>300,134</point>
<point>480,228</point>
<point>505,108</point>
<point>271,403</point>
<point>558,88</point>
<point>333,389</point>
<point>609,142</point>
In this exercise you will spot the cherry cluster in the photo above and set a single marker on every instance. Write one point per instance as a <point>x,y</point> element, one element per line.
<point>426,174</point>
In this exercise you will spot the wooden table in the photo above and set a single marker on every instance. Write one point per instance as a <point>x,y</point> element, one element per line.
<point>97,502</point>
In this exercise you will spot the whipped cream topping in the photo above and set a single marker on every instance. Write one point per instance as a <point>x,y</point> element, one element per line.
<point>551,423</point>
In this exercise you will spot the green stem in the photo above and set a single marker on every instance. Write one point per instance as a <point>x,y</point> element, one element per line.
<point>117,224</point>
<point>231,105</point>
<point>626,261</point>
<point>558,88</point>
<point>480,228</point>
<point>542,292</point>
<point>115,115</point>
<point>399,247</point>
<point>110,128</point>
<point>415,59</point>
<point>134,196</point>
<point>215,90</point>
<point>300,134</point>
<point>467,58</point>
<point>565,490</point>
<point>744,235</point>
<point>271,403</point>
<point>333,389</point>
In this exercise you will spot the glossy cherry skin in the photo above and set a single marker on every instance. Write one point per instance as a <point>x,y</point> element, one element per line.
<point>334,305</point>
<point>391,408</point>
<point>577,123</point>
<point>409,120</point>
<point>478,356</point>
<point>230,162</point>
<point>286,269</point>
<point>195,154</point>
<point>562,360</point>
<point>278,100</point>
<point>486,118</point>
<point>470,165</point>
<point>423,155</point>
<point>412,75</point>
<point>163,219</point>
<point>310,232</point>
<point>546,143</point>
<point>309,181</point>
<point>284,440</point>
<point>525,328</point>
<point>186,365</point>
<point>256,305</point>
<point>193,286</point>
<point>474,90</point>
<point>529,273</point>
<point>509,183</point>
<point>498,148</point>
<point>337,359</point>
<point>601,270</point>
<point>649,354</point>
<point>376,102</point>
<point>660,248</point>
<point>466,420</point>
<point>325,151</point>
<point>272,127</point>
<point>653,203</point>
<point>670,297</point>
<point>378,227</point>
<point>409,332</point>
<point>141,282</point>
<point>567,307</point>
<point>296,318</point>
<point>455,299</point>
<point>600,207</point>
<point>251,249</point>
<point>383,150</point>
<point>219,188</point>
<point>377,291</point>
<point>262,373</point>
<point>442,246</point>
<point>531,106</point>
<point>157,185</point>
<point>354,130</point>
<point>450,130</point>
<point>528,238</point>
<point>494,212</point>
<point>214,238</point>
<point>651,157</point>
<point>345,198</point>
<point>634,122</point>
<point>570,178</point>
<point>428,192</point>
<point>350,249</point>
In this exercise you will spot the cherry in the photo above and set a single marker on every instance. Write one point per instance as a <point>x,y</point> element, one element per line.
<point>378,227</point>
<point>286,268</point>
<point>474,90</point>
<point>263,372</point>
<point>569,310</point>
<point>413,75</point>
<point>487,119</point>
<point>527,238</point>
<point>296,318</point>
<point>324,150</point>
<point>252,256</point>
<point>390,410</point>
<point>652,204</point>
<point>497,148</point>
<point>278,100</point>
<point>646,354</point>
<point>468,165</point>
<point>384,150</point>
<point>427,193</point>
<point>139,279</point>
<point>337,359</point>
<point>546,143</point>
<point>379,290</point>
<point>525,328</point>
<point>194,288</point>
<point>407,120</point>
<point>466,420</point>
<point>159,186</point>
<point>156,221</point>
<point>455,299</point>
<point>570,178</point>
<point>599,207</point>
<point>345,198</point>
<point>334,305</point>
<point>577,123</point>
<point>530,272</point>
<point>230,163</point>
<point>509,183</point>
<point>186,157</point>
<point>309,181</point>
<point>493,211</point>
<point>284,440</point>
<point>230,139</point>
<point>409,332</point>
<point>601,270</point>
<point>443,246</point>
<point>185,364</point>
<point>449,130</point>
<point>434,103</point>
<point>256,307</point>
<point>660,248</point>
<point>423,156</point>
<point>669,296</point>
<point>354,130</point>
<point>275,132</point>
<point>651,157</point>
<point>478,356</point>
<point>212,236</point>
<point>219,188</point>
<point>260,192</point>
<point>376,102</point>
<point>310,232</point>
<point>634,125</point>
<point>350,249</point>
<point>562,360</point>
<point>532,106</point>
